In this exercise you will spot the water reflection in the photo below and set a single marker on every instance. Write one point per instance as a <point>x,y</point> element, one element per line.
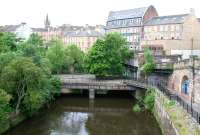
<point>71,123</point>
<point>78,116</point>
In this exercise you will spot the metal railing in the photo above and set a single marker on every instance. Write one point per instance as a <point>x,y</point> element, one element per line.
<point>172,95</point>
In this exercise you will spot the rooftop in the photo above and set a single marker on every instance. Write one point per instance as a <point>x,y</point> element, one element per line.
<point>83,33</point>
<point>123,14</point>
<point>171,19</point>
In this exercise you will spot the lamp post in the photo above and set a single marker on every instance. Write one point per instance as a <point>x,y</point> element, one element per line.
<point>193,75</point>
<point>193,60</point>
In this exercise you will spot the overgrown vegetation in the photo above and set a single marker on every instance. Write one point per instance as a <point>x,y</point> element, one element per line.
<point>179,117</point>
<point>26,80</point>
<point>149,63</point>
<point>146,102</point>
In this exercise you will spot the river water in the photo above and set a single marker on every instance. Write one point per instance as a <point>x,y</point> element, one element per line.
<point>73,115</point>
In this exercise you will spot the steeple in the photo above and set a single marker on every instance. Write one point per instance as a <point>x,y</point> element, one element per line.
<point>47,22</point>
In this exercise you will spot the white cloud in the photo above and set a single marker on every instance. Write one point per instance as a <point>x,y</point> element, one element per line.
<point>80,12</point>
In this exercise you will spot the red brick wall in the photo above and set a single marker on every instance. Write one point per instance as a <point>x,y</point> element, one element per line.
<point>151,12</point>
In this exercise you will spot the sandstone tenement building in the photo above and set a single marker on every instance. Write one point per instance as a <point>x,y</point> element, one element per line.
<point>174,34</point>
<point>130,24</point>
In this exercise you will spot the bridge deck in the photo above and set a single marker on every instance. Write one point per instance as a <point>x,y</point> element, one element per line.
<point>88,83</point>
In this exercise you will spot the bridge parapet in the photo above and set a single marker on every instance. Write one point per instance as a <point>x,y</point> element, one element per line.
<point>80,83</point>
<point>188,63</point>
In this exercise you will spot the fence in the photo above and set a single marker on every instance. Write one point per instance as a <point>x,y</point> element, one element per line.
<point>173,96</point>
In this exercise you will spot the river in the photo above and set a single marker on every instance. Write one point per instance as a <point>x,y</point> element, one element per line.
<point>76,115</point>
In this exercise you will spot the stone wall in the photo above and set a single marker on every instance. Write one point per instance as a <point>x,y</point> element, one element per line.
<point>163,118</point>
<point>173,119</point>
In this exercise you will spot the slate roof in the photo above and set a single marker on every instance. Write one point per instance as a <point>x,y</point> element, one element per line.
<point>9,28</point>
<point>124,14</point>
<point>171,19</point>
<point>84,33</point>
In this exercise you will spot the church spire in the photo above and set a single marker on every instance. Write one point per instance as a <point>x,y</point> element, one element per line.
<point>47,22</point>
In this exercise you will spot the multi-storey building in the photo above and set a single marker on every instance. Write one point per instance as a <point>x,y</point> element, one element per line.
<point>22,31</point>
<point>130,23</point>
<point>82,36</point>
<point>84,39</point>
<point>174,34</point>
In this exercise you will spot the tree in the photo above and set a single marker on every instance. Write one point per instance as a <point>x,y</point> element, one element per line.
<point>74,59</point>
<point>149,65</point>
<point>20,76</point>
<point>34,52</point>
<point>56,56</point>
<point>107,56</point>
<point>36,40</point>
<point>8,42</point>
<point>5,59</point>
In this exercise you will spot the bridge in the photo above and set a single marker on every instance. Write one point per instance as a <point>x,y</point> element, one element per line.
<point>89,82</point>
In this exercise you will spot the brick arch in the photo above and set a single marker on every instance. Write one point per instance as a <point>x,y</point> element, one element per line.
<point>177,77</point>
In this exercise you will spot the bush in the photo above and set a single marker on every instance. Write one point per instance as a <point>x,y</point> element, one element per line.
<point>4,106</point>
<point>137,108</point>
<point>33,101</point>
<point>55,86</point>
<point>149,99</point>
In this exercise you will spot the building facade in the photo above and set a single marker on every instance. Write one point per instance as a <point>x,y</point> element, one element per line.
<point>173,35</point>
<point>84,39</point>
<point>82,36</point>
<point>22,31</point>
<point>130,24</point>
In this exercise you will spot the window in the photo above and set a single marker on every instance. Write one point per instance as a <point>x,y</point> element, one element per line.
<point>155,28</point>
<point>161,28</point>
<point>131,20</point>
<point>166,28</point>
<point>172,27</point>
<point>177,28</point>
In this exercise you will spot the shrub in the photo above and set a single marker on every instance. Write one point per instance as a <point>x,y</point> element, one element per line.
<point>4,106</point>
<point>55,86</point>
<point>136,108</point>
<point>149,99</point>
<point>33,101</point>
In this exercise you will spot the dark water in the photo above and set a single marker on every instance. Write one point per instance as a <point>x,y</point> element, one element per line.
<point>79,116</point>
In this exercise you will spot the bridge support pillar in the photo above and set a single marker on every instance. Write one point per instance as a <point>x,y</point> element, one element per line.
<point>91,93</point>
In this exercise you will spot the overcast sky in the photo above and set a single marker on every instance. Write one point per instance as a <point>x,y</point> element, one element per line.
<point>81,12</point>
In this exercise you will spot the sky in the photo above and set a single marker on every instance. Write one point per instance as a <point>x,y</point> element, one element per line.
<point>81,12</point>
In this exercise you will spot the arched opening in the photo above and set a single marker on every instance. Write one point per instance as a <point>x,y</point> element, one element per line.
<point>185,85</point>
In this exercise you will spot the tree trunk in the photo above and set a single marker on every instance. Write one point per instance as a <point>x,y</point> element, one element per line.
<point>18,104</point>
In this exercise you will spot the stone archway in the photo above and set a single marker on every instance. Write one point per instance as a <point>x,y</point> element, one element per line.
<point>185,85</point>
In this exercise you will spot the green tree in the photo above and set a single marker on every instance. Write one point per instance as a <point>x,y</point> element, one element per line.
<point>36,40</point>
<point>74,61</point>
<point>4,106</point>
<point>56,56</point>
<point>33,101</point>
<point>34,52</point>
<point>149,65</point>
<point>8,42</point>
<point>5,59</point>
<point>107,56</point>
<point>20,76</point>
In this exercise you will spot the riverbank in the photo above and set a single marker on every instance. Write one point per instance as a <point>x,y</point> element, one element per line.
<point>172,118</point>
<point>13,121</point>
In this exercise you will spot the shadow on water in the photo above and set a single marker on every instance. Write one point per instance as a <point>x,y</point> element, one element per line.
<point>75,114</point>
